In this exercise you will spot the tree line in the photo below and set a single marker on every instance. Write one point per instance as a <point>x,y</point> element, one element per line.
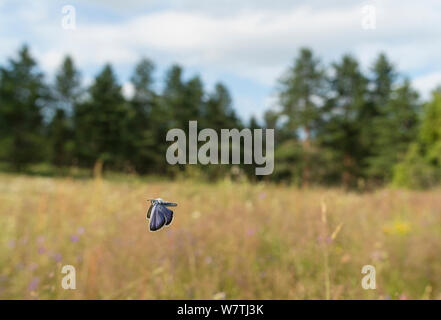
<point>335,125</point>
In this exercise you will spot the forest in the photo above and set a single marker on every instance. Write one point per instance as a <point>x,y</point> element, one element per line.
<point>335,125</point>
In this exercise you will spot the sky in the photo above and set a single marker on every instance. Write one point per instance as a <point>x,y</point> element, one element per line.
<point>245,44</point>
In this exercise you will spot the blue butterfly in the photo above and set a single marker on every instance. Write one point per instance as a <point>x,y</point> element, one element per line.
<point>159,214</point>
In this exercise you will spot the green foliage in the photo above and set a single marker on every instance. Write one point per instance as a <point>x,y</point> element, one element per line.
<point>382,81</point>
<point>353,127</point>
<point>421,168</point>
<point>61,139</point>
<point>335,126</point>
<point>395,129</point>
<point>299,87</point>
<point>414,171</point>
<point>101,129</point>
<point>144,120</point>
<point>66,93</point>
<point>22,97</point>
<point>219,112</point>
<point>340,132</point>
<point>291,159</point>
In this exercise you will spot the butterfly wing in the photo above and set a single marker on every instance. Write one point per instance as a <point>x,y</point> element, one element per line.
<point>169,204</point>
<point>167,213</point>
<point>149,212</point>
<point>158,218</point>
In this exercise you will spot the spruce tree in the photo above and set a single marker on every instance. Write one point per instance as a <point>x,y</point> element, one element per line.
<point>300,95</point>
<point>23,96</point>
<point>145,120</point>
<point>395,128</point>
<point>102,123</point>
<point>382,82</point>
<point>66,93</point>
<point>340,129</point>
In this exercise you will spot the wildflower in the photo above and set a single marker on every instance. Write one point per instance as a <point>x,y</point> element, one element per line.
<point>33,284</point>
<point>41,250</point>
<point>324,240</point>
<point>208,260</point>
<point>378,255</point>
<point>74,238</point>
<point>33,266</point>
<point>397,228</point>
<point>57,256</point>
<point>11,244</point>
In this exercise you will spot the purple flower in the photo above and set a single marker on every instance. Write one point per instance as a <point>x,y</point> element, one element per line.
<point>324,240</point>
<point>208,260</point>
<point>41,250</point>
<point>11,244</point>
<point>33,284</point>
<point>57,257</point>
<point>74,238</point>
<point>33,266</point>
<point>319,238</point>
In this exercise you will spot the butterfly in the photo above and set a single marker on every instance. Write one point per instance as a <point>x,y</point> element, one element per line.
<point>159,214</point>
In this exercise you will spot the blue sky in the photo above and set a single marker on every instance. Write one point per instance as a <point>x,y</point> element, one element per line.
<point>245,44</point>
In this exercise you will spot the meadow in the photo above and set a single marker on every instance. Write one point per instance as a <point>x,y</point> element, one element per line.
<point>228,240</point>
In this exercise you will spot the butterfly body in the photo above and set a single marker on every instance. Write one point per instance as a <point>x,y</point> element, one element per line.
<point>159,214</point>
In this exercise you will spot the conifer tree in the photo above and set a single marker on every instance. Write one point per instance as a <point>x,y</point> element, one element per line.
<point>23,96</point>
<point>102,123</point>
<point>340,129</point>
<point>66,94</point>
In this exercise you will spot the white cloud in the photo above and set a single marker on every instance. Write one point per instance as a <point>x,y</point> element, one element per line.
<point>259,43</point>
<point>248,39</point>
<point>427,83</point>
<point>128,90</point>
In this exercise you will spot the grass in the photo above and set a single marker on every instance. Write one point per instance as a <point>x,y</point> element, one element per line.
<point>228,240</point>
